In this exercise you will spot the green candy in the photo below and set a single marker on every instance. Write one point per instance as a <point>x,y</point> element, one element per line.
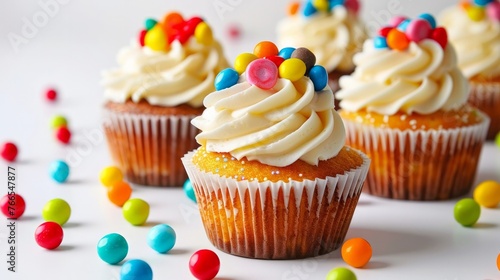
<point>56,210</point>
<point>341,273</point>
<point>58,121</point>
<point>150,23</point>
<point>136,211</point>
<point>467,212</point>
<point>497,140</point>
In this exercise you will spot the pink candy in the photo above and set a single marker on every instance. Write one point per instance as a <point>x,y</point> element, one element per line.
<point>262,73</point>
<point>493,10</point>
<point>395,21</point>
<point>418,29</point>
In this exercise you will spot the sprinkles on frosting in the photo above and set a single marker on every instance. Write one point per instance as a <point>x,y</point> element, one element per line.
<point>312,7</point>
<point>478,10</point>
<point>159,35</point>
<point>402,31</point>
<point>267,64</point>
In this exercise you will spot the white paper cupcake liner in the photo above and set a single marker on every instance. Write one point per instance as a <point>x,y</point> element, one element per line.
<point>282,220</point>
<point>421,164</point>
<point>148,148</point>
<point>486,97</point>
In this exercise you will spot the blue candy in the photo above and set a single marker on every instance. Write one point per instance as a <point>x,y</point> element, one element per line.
<point>161,238</point>
<point>226,78</point>
<point>429,18</point>
<point>189,190</point>
<point>286,53</point>
<point>150,23</point>
<point>112,248</point>
<point>380,42</point>
<point>482,3</point>
<point>334,3</point>
<point>309,9</point>
<point>59,171</point>
<point>136,270</point>
<point>403,25</point>
<point>319,77</point>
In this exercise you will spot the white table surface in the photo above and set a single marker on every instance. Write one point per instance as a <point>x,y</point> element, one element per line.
<point>411,240</point>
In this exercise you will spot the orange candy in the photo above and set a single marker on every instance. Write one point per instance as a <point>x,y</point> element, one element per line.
<point>293,8</point>
<point>397,40</point>
<point>356,252</point>
<point>265,49</point>
<point>465,5</point>
<point>119,193</point>
<point>498,262</point>
<point>169,21</point>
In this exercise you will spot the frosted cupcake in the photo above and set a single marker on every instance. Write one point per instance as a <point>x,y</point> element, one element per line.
<point>474,30</point>
<point>331,29</point>
<point>405,106</point>
<point>153,95</point>
<point>272,177</point>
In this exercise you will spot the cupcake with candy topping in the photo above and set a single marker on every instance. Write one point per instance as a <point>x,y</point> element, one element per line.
<point>331,29</point>
<point>474,30</point>
<point>273,178</point>
<point>152,97</point>
<point>405,105</point>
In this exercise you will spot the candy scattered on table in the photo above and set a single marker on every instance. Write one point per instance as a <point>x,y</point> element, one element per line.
<point>204,264</point>
<point>12,206</point>
<point>487,194</point>
<point>9,151</point>
<point>119,193</point>
<point>341,273</point>
<point>50,94</point>
<point>110,175</point>
<point>63,134</point>
<point>262,73</point>
<point>467,212</point>
<point>49,235</point>
<point>136,211</point>
<point>136,270</point>
<point>59,171</point>
<point>497,140</point>
<point>189,190</point>
<point>56,210</point>
<point>112,248</point>
<point>58,121</point>
<point>161,238</point>
<point>356,252</point>
<point>478,10</point>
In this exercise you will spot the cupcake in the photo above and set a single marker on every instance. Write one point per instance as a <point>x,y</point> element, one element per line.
<point>331,29</point>
<point>474,30</point>
<point>153,95</point>
<point>405,105</point>
<point>272,176</point>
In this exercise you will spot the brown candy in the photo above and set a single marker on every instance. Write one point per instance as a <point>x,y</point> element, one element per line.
<point>307,56</point>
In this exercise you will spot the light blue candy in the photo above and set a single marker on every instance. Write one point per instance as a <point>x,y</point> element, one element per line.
<point>189,190</point>
<point>319,77</point>
<point>334,3</point>
<point>482,3</point>
<point>59,171</point>
<point>226,79</point>
<point>161,238</point>
<point>309,9</point>
<point>112,248</point>
<point>403,25</point>
<point>136,270</point>
<point>380,42</point>
<point>150,23</point>
<point>286,53</point>
<point>429,18</point>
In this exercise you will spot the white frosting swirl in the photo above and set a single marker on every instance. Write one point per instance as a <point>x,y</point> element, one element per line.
<point>421,79</point>
<point>275,127</point>
<point>477,42</point>
<point>334,38</point>
<point>183,75</point>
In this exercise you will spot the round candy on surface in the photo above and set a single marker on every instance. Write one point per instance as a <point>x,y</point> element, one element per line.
<point>493,11</point>
<point>277,60</point>
<point>306,56</point>
<point>380,42</point>
<point>418,30</point>
<point>319,77</point>
<point>189,190</point>
<point>242,60</point>
<point>487,194</point>
<point>63,134</point>
<point>309,9</point>
<point>292,69</point>
<point>265,48</point>
<point>497,140</point>
<point>136,211</point>
<point>226,79</point>
<point>262,73</point>
<point>429,18</point>
<point>50,94</point>
<point>112,248</point>
<point>172,19</point>
<point>203,34</point>
<point>482,2</point>
<point>395,21</point>
<point>467,212</point>
<point>49,235</point>
<point>161,238</point>
<point>293,8</point>
<point>110,175</point>
<point>58,121</point>
<point>322,5</point>
<point>136,270</point>
<point>341,273</point>
<point>12,205</point>
<point>56,210</point>
<point>150,23</point>
<point>397,40</point>
<point>204,264</point>
<point>155,39</point>
<point>441,36</point>
<point>356,252</point>
<point>286,53</point>
<point>9,151</point>
<point>59,171</point>
<point>119,193</point>
<point>476,13</point>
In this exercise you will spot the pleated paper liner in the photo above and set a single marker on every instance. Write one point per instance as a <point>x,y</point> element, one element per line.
<point>282,220</point>
<point>486,97</point>
<point>148,148</point>
<point>421,164</point>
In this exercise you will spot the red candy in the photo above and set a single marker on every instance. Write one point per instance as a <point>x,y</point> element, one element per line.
<point>440,35</point>
<point>418,30</point>
<point>352,5</point>
<point>204,264</point>
<point>51,94</point>
<point>276,59</point>
<point>49,235</point>
<point>142,35</point>
<point>63,134</point>
<point>262,73</point>
<point>9,151</point>
<point>384,31</point>
<point>191,24</point>
<point>12,206</point>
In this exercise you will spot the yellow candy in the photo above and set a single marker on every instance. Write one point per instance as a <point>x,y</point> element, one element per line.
<point>203,34</point>
<point>487,194</point>
<point>110,175</point>
<point>292,69</point>
<point>155,39</point>
<point>242,60</point>
<point>476,13</point>
<point>321,5</point>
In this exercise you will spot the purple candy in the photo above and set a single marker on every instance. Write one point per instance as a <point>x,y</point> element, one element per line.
<point>262,73</point>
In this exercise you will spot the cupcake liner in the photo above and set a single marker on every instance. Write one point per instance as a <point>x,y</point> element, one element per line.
<point>486,97</point>
<point>148,148</point>
<point>282,220</point>
<point>421,164</point>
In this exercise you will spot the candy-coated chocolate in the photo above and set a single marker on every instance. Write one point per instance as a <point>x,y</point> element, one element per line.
<point>395,21</point>
<point>380,42</point>
<point>155,39</point>
<point>356,252</point>
<point>242,60</point>
<point>497,140</point>
<point>203,34</point>
<point>292,69</point>
<point>286,53</point>
<point>418,30</point>
<point>276,59</point>
<point>136,270</point>
<point>306,56</point>
<point>335,3</point>
<point>429,18</point>
<point>189,190</point>
<point>319,77</point>
<point>341,273</point>
<point>191,24</point>
<point>172,19</point>
<point>384,31</point>
<point>397,40</point>
<point>322,5</point>
<point>265,48</point>
<point>142,36</point>
<point>441,36</point>
<point>58,121</point>
<point>180,36</point>
<point>112,248</point>
<point>51,94</point>
<point>9,151</point>
<point>482,2</point>
<point>59,171</point>
<point>136,211</point>
<point>226,78</point>
<point>12,206</point>
<point>204,264</point>
<point>161,238</point>
<point>49,235</point>
<point>262,73</point>
<point>309,9</point>
<point>467,212</point>
<point>404,25</point>
<point>493,11</point>
<point>150,23</point>
<point>476,13</point>
<point>119,193</point>
<point>110,175</point>
<point>293,8</point>
<point>56,210</point>
<point>487,194</point>
<point>63,134</point>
